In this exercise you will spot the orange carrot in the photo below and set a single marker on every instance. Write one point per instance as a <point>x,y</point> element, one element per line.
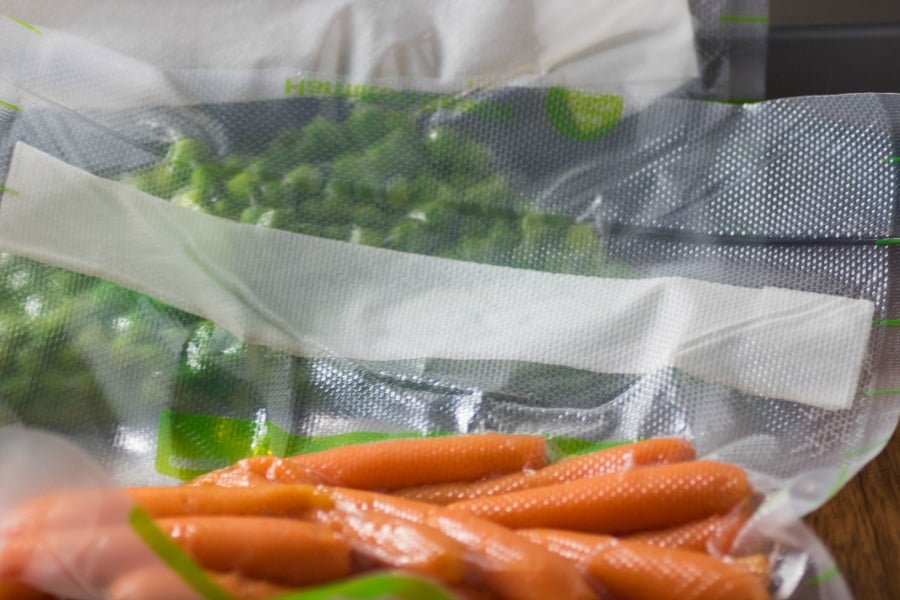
<point>637,571</point>
<point>271,500</point>
<point>68,563</point>
<point>386,541</point>
<point>161,583</point>
<point>12,590</point>
<point>713,535</point>
<point>75,562</point>
<point>240,587</point>
<point>256,471</point>
<point>610,460</point>
<point>99,508</point>
<point>469,592</point>
<point>283,551</point>
<point>394,464</point>
<point>151,583</point>
<point>645,498</point>
<point>503,562</point>
<point>65,510</point>
<point>757,564</point>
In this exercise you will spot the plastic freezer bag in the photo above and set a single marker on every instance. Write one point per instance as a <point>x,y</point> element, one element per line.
<point>646,43</point>
<point>185,392</point>
<point>698,230</point>
<point>66,536</point>
<point>730,37</point>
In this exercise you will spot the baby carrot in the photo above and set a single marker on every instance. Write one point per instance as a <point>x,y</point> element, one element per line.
<point>395,464</point>
<point>637,571</point>
<point>757,564</point>
<point>159,582</point>
<point>386,541</point>
<point>645,498</point>
<point>12,590</point>
<point>284,551</point>
<point>241,587</point>
<point>504,562</point>
<point>713,535</point>
<point>469,592</point>
<point>270,500</point>
<point>73,563</point>
<point>648,572</point>
<point>610,460</point>
<point>110,507</point>
<point>256,471</point>
<point>65,510</point>
<point>151,583</point>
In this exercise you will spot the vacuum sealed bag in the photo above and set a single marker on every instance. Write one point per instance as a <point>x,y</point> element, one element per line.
<point>205,270</point>
<point>731,40</point>
<point>645,44</point>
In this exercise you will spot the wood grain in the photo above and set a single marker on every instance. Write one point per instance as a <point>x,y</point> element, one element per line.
<point>861,527</point>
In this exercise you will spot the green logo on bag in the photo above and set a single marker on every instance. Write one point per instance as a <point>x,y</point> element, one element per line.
<point>582,116</point>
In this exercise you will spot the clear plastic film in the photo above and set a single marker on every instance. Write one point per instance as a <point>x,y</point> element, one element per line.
<point>601,45</point>
<point>543,188</point>
<point>731,38</point>
<point>489,515</point>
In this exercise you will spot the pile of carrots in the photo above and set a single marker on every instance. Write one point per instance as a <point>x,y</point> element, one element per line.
<point>485,515</point>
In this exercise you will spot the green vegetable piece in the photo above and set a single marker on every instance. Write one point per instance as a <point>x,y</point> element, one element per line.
<point>581,239</point>
<point>252,214</point>
<point>189,198</point>
<point>242,186</point>
<point>305,180</point>
<point>473,249</point>
<point>186,153</point>
<point>398,153</point>
<point>451,154</point>
<point>262,169</point>
<point>366,237</point>
<point>341,232</point>
<point>162,181</point>
<point>232,165</point>
<point>332,209</point>
<point>367,125</point>
<point>370,216</point>
<point>276,218</point>
<point>436,215</point>
<point>398,192</point>
<point>409,235</point>
<point>205,180</point>
<point>355,175</point>
<point>490,192</point>
<point>538,229</point>
<point>272,194</point>
<point>321,141</point>
<point>227,207</point>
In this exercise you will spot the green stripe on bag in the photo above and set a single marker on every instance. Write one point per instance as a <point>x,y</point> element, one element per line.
<point>402,587</point>
<point>173,556</point>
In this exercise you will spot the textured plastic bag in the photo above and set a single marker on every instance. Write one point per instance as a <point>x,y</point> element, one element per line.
<point>719,197</point>
<point>648,47</point>
<point>65,564</point>
<point>602,44</point>
<point>731,40</point>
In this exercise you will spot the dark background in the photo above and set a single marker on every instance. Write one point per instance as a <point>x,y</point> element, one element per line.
<point>833,12</point>
<point>832,47</point>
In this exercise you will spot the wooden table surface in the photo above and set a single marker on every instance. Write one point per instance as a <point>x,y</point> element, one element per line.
<point>861,527</point>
